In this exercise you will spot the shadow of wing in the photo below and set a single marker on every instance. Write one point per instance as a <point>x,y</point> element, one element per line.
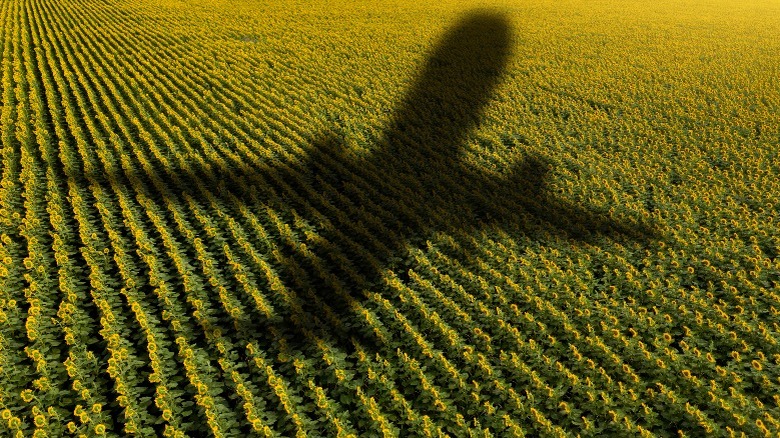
<point>528,181</point>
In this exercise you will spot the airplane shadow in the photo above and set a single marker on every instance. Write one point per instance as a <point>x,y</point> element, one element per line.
<point>364,210</point>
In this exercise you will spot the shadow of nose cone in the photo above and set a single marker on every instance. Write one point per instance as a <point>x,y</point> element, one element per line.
<point>455,85</point>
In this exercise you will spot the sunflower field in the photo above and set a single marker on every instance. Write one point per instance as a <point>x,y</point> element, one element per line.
<point>350,218</point>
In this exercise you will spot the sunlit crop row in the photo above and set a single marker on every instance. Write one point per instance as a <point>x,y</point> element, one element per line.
<point>240,218</point>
